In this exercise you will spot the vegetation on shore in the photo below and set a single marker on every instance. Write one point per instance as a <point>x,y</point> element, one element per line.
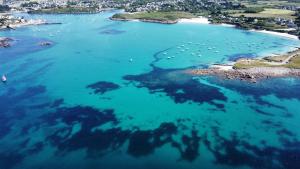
<point>154,16</point>
<point>266,13</point>
<point>66,10</point>
<point>4,8</point>
<point>291,60</point>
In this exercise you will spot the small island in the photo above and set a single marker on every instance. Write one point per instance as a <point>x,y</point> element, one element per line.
<point>156,17</point>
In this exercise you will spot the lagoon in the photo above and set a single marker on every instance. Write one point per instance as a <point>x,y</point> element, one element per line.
<point>112,94</point>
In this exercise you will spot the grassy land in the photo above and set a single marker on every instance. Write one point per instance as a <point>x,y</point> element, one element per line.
<point>269,13</point>
<point>269,3</point>
<point>245,64</point>
<point>158,16</point>
<point>294,63</point>
<point>252,63</point>
<point>66,10</point>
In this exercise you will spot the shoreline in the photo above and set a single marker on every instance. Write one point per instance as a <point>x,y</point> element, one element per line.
<point>30,22</point>
<point>286,35</point>
<point>252,74</point>
<point>197,20</point>
<point>145,20</point>
<point>272,68</point>
<point>205,20</point>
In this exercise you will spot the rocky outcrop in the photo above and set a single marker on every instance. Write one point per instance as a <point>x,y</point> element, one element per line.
<point>251,74</point>
<point>46,43</point>
<point>5,42</point>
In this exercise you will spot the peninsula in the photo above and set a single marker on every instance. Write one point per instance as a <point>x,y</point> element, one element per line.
<point>156,17</point>
<point>254,69</point>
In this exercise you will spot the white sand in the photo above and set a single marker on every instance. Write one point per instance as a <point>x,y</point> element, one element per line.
<point>27,23</point>
<point>200,20</point>
<point>286,35</point>
<point>227,25</point>
<point>222,67</point>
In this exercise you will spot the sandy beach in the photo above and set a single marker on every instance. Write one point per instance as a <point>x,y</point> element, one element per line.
<point>199,20</point>
<point>286,35</point>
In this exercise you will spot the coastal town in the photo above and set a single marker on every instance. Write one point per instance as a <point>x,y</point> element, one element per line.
<point>262,15</point>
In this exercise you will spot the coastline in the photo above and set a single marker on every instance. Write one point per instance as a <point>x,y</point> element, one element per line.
<point>26,23</point>
<point>251,74</point>
<point>286,35</point>
<point>146,20</point>
<point>205,20</point>
<point>198,20</point>
<point>268,67</point>
<point>227,71</point>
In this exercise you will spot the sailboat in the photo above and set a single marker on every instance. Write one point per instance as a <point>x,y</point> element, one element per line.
<point>3,78</point>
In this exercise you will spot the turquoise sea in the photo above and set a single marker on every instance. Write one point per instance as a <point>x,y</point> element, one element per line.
<point>109,94</point>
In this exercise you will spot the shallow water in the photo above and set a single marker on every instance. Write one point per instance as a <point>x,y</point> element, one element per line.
<point>111,94</point>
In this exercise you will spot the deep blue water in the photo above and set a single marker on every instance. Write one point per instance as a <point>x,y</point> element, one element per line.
<point>110,94</point>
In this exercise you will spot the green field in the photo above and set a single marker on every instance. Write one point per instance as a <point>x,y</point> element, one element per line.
<point>158,16</point>
<point>268,3</point>
<point>269,13</point>
<point>252,63</point>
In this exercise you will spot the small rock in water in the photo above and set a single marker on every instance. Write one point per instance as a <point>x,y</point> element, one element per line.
<point>45,43</point>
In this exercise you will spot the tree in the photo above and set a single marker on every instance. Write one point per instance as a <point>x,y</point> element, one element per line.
<point>297,22</point>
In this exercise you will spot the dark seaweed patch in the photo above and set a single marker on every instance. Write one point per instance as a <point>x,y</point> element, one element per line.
<point>9,159</point>
<point>142,143</point>
<point>178,85</point>
<point>101,142</point>
<point>37,147</point>
<point>263,112</point>
<point>191,152</point>
<point>103,87</point>
<point>112,25</point>
<point>9,103</point>
<point>112,32</point>
<point>274,86</point>
<point>235,152</point>
<point>57,103</point>
<point>238,56</point>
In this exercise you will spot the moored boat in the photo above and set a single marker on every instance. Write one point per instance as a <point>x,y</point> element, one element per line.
<point>3,78</point>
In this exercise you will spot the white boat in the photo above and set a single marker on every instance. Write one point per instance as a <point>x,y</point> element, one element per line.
<point>4,79</point>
